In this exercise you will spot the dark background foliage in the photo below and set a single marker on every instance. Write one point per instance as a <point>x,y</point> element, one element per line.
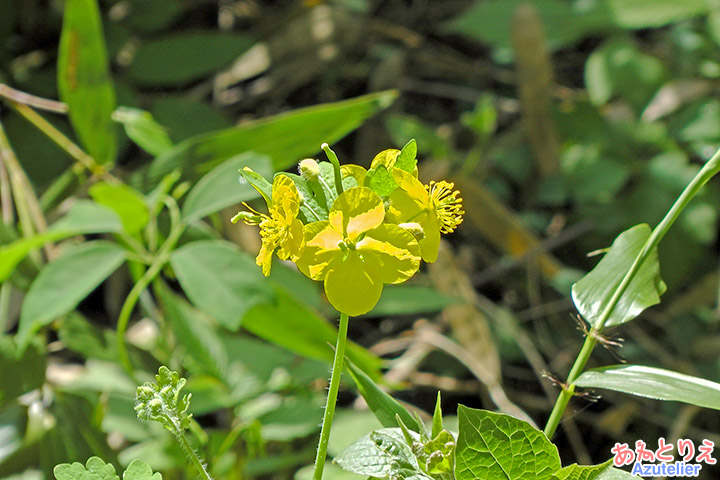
<point>562,125</point>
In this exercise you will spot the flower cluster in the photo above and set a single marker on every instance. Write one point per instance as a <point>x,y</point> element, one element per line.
<point>351,228</point>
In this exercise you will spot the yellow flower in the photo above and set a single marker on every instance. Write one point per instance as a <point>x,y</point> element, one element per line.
<point>280,231</point>
<point>355,253</point>
<point>436,207</point>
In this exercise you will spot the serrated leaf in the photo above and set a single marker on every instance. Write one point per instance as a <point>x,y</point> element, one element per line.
<point>407,160</point>
<point>127,203</point>
<point>582,472</point>
<point>383,406</point>
<point>222,187</point>
<point>94,469</point>
<point>63,283</point>
<point>142,129</point>
<point>286,138</point>
<point>380,181</point>
<point>654,383</point>
<point>380,454</point>
<point>220,280</point>
<point>592,293</point>
<point>493,445</point>
<point>84,79</point>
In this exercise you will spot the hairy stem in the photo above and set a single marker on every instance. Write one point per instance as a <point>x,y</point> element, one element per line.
<point>332,396</point>
<point>709,170</point>
<point>199,466</point>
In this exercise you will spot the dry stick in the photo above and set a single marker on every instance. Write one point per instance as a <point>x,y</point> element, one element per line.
<point>6,203</point>
<point>30,214</point>
<point>63,142</point>
<point>24,98</point>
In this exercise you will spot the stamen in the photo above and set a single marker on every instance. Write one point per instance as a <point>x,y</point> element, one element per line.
<point>447,204</point>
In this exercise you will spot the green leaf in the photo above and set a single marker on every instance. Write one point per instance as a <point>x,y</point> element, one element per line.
<point>184,57</point>
<point>286,138</point>
<point>493,445</point>
<point>613,473</point>
<point>62,284</point>
<point>83,217</point>
<point>127,203</point>
<point>437,422</point>
<point>620,68</point>
<point>290,324</point>
<point>654,13</point>
<point>382,405</point>
<point>21,373</point>
<point>582,472</point>
<point>94,469</point>
<point>220,280</point>
<point>88,217</point>
<point>139,470</point>
<point>592,293</point>
<point>407,159</point>
<point>382,454</point>
<point>259,183</point>
<point>314,206</point>
<point>654,383</point>
<point>220,188</point>
<point>380,181</point>
<point>84,79</point>
<point>142,129</point>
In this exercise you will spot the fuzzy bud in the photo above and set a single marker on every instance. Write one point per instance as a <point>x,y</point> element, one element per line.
<point>309,169</point>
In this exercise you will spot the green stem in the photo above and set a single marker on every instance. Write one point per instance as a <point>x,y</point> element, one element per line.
<point>182,439</point>
<point>332,396</point>
<point>160,260</point>
<point>4,307</point>
<point>709,170</point>
<point>336,166</point>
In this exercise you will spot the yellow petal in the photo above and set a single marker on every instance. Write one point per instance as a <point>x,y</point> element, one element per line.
<point>355,211</point>
<point>285,198</point>
<point>355,171</point>
<point>264,257</point>
<point>407,182</point>
<point>294,244</point>
<point>430,245</point>
<point>351,287</point>
<point>390,251</point>
<point>386,158</point>
<point>321,246</point>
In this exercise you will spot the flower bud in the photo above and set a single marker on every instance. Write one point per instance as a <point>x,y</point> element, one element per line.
<point>247,217</point>
<point>309,169</point>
